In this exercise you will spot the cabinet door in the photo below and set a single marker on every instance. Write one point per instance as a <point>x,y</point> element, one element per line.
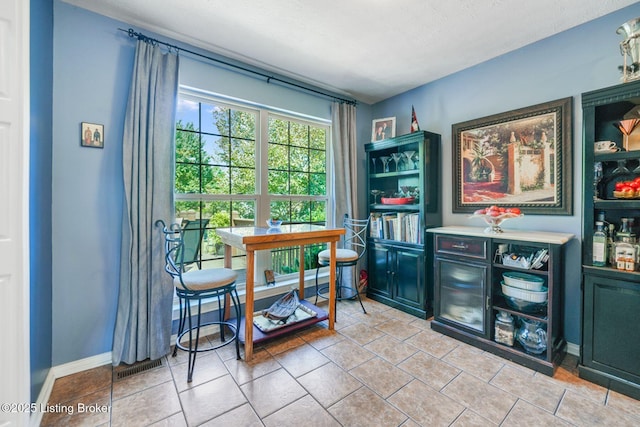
<point>409,278</point>
<point>611,338</point>
<point>380,266</point>
<point>461,297</point>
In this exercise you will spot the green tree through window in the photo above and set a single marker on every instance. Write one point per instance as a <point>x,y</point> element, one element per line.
<point>219,155</point>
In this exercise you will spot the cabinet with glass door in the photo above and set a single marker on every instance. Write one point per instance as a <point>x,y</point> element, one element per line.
<point>404,200</point>
<point>501,292</point>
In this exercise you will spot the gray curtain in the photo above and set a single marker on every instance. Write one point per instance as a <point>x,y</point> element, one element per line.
<point>344,150</point>
<point>143,322</point>
<point>345,177</point>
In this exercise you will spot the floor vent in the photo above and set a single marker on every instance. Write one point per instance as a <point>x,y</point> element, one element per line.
<point>136,368</point>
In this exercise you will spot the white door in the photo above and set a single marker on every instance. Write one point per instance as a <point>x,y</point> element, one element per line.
<point>14,213</point>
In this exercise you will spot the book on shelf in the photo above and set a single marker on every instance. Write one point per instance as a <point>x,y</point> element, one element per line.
<point>400,226</point>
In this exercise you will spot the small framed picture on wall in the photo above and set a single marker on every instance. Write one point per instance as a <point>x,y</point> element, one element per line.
<point>92,135</point>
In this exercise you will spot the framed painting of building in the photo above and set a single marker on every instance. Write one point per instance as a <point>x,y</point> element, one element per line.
<point>521,158</point>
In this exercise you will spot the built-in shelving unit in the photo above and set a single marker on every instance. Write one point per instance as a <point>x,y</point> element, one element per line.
<point>611,297</point>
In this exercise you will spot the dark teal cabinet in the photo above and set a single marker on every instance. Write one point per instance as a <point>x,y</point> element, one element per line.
<point>610,353</point>
<point>611,336</point>
<point>403,202</point>
<point>397,277</point>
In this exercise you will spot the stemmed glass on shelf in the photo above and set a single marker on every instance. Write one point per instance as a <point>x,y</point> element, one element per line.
<point>621,169</point>
<point>626,127</point>
<point>375,194</point>
<point>373,160</point>
<point>409,156</point>
<point>396,158</point>
<point>597,176</point>
<point>385,163</point>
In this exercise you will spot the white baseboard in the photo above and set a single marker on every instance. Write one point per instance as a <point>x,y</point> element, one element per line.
<point>62,371</point>
<point>573,349</point>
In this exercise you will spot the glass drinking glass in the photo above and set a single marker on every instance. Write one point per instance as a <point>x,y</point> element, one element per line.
<point>626,127</point>
<point>621,169</point>
<point>375,194</point>
<point>373,160</point>
<point>385,163</point>
<point>597,176</point>
<point>409,156</point>
<point>396,158</point>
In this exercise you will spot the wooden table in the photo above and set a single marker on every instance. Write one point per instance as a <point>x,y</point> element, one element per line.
<point>251,239</point>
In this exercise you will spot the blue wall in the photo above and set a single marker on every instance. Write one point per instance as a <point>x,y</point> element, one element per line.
<point>41,79</point>
<point>578,60</point>
<point>92,68</point>
<point>92,65</point>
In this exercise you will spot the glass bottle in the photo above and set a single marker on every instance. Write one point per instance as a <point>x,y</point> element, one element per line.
<point>599,245</point>
<point>504,329</point>
<point>624,227</point>
<point>611,246</point>
<point>626,248</point>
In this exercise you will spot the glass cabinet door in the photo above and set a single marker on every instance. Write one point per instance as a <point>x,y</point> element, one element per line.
<point>461,294</point>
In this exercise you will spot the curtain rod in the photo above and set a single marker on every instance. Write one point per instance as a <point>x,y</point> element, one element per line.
<point>269,78</point>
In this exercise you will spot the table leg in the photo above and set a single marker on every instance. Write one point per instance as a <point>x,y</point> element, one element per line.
<point>248,309</point>
<point>301,257</point>
<point>227,297</point>
<point>332,284</point>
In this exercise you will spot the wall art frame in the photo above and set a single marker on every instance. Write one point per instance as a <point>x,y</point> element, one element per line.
<point>383,128</point>
<point>91,135</point>
<point>521,158</point>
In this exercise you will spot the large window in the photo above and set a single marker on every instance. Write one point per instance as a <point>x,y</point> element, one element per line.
<point>238,166</point>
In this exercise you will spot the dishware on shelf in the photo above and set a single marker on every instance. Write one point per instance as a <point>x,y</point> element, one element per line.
<point>373,160</point>
<point>398,200</point>
<point>532,336</point>
<point>525,295</point>
<point>274,223</point>
<point>605,146</point>
<point>409,191</point>
<point>396,158</point>
<point>385,163</point>
<point>626,126</point>
<point>495,221</point>
<point>529,261</point>
<point>525,281</point>
<point>526,306</point>
<point>409,156</point>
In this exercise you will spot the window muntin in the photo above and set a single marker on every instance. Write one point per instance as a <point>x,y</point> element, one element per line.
<point>220,152</point>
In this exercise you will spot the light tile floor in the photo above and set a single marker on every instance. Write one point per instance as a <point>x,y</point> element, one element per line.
<point>385,368</point>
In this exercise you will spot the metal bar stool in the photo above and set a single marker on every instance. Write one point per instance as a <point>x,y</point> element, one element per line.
<point>353,249</point>
<point>197,285</point>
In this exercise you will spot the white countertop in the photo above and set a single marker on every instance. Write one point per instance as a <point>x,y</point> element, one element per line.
<point>529,236</point>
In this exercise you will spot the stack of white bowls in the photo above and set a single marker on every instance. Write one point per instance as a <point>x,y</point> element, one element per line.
<point>525,287</point>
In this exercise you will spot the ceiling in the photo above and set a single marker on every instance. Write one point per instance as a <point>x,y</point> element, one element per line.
<point>369,50</point>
